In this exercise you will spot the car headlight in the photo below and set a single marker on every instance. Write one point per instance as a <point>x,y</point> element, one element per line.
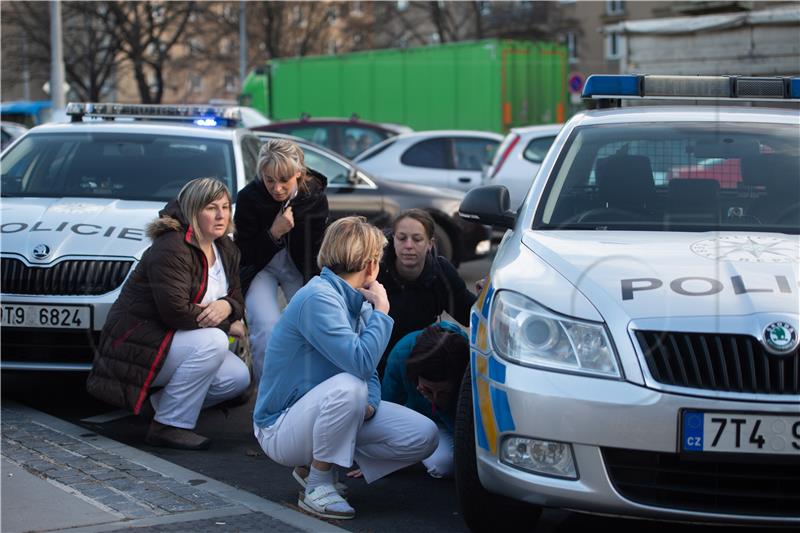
<point>523,331</point>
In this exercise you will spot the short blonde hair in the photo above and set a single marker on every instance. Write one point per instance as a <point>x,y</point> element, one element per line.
<point>197,194</point>
<point>349,244</point>
<point>281,158</point>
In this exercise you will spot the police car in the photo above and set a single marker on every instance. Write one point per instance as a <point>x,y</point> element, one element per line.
<point>76,199</point>
<point>635,350</point>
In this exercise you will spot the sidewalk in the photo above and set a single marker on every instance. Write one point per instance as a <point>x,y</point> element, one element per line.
<point>59,477</point>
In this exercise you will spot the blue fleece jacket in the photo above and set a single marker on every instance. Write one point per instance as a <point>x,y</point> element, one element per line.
<point>327,328</point>
<point>397,388</point>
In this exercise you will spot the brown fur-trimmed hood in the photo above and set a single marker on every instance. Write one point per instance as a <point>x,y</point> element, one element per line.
<point>169,219</point>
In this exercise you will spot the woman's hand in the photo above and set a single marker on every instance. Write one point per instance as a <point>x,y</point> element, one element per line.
<point>237,330</point>
<point>282,224</point>
<point>213,313</point>
<point>375,294</point>
<point>369,413</point>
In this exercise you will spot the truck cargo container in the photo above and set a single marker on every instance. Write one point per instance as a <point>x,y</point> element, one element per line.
<point>489,85</point>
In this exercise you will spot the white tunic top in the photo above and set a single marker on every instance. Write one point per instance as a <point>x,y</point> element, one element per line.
<point>217,280</point>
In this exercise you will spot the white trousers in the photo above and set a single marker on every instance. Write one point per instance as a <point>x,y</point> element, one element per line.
<point>440,462</point>
<point>327,424</point>
<point>263,307</point>
<point>199,371</point>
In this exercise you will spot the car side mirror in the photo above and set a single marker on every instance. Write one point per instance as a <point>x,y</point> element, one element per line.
<point>488,205</point>
<point>352,177</point>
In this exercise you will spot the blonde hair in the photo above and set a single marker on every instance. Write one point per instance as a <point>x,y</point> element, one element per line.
<point>279,158</point>
<point>350,244</point>
<point>197,194</point>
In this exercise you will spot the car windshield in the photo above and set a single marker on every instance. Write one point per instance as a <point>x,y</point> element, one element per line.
<point>126,166</point>
<point>676,177</point>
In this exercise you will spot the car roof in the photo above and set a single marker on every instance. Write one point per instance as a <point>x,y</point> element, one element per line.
<point>336,120</point>
<point>138,126</point>
<point>448,133</point>
<point>682,113</point>
<point>301,141</point>
<point>540,128</point>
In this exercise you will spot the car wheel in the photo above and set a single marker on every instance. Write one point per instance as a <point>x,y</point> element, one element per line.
<point>482,510</point>
<point>444,245</point>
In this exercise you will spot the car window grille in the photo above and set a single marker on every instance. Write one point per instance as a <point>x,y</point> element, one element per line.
<point>722,362</point>
<point>72,277</point>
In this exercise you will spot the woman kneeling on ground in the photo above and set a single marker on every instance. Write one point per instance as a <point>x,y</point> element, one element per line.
<point>319,397</point>
<point>169,326</point>
<point>424,373</point>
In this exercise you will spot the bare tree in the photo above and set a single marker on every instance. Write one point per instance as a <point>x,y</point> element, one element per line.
<point>89,51</point>
<point>147,32</point>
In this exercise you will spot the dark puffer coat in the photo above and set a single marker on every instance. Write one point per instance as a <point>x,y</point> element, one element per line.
<point>160,297</point>
<point>417,304</point>
<point>255,212</point>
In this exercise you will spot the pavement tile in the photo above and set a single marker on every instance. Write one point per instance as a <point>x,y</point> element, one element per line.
<point>244,523</point>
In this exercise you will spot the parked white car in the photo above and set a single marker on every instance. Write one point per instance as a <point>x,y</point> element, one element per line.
<point>518,159</point>
<point>634,350</point>
<point>452,159</point>
<point>76,199</point>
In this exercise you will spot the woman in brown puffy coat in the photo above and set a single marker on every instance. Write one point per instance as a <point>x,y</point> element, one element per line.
<point>169,327</point>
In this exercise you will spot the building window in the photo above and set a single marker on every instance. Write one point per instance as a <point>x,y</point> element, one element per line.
<point>355,9</point>
<point>195,83</point>
<point>402,5</point>
<point>614,44</point>
<point>572,47</point>
<point>615,7</point>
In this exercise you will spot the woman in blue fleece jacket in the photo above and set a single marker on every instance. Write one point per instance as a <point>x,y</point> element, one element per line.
<point>319,397</point>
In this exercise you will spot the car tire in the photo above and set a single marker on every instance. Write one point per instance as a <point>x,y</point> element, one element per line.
<point>481,509</point>
<point>444,244</point>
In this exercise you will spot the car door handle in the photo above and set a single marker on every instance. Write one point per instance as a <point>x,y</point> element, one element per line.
<point>465,179</point>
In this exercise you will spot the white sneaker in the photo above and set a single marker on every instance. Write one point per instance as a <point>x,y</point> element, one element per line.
<point>300,474</point>
<point>324,501</point>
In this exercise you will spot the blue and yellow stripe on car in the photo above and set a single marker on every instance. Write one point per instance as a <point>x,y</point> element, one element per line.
<point>490,402</point>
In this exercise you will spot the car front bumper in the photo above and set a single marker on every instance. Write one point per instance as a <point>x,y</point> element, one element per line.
<point>607,420</point>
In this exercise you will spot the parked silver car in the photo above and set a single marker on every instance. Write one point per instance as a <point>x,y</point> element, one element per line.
<point>518,159</point>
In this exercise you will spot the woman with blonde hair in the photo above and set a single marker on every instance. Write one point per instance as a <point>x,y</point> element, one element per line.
<point>319,399</point>
<point>170,324</point>
<point>280,219</point>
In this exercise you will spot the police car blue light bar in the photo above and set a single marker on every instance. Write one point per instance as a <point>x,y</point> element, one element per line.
<point>201,115</point>
<point>631,86</point>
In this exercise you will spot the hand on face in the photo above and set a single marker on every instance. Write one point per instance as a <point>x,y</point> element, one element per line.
<point>375,294</point>
<point>282,224</point>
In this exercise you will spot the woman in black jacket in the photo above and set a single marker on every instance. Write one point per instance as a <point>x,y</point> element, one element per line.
<point>420,283</point>
<point>280,220</point>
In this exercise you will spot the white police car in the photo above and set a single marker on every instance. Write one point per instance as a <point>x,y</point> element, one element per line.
<point>76,199</point>
<point>635,351</point>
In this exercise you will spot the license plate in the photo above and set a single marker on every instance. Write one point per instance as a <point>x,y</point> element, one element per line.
<point>740,433</point>
<point>46,316</point>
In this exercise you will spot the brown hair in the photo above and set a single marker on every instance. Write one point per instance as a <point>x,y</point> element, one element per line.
<point>421,216</point>
<point>438,355</point>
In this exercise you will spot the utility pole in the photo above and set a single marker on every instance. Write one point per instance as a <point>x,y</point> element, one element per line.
<point>242,43</point>
<point>56,57</point>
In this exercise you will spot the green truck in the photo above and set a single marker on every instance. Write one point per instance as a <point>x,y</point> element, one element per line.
<point>489,85</point>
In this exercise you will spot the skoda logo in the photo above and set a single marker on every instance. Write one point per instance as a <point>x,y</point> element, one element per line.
<point>41,251</point>
<point>780,338</point>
